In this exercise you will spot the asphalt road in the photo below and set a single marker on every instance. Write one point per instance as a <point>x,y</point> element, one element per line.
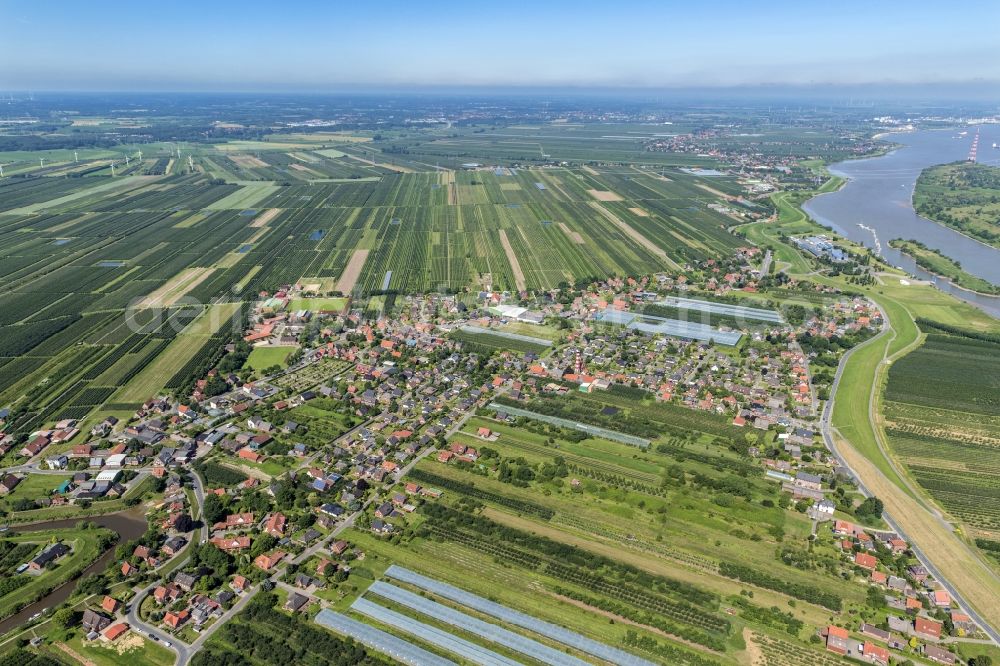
<point>832,446</point>
<point>149,631</point>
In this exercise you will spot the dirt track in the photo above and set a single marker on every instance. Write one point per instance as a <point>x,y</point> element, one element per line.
<point>265,217</point>
<point>573,235</point>
<point>972,579</point>
<point>633,234</point>
<point>352,272</point>
<point>604,195</point>
<point>515,266</point>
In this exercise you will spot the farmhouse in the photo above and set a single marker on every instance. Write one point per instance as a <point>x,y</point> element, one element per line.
<point>94,621</point>
<point>48,556</point>
<point>939,655</point>
<point>927,628</point>
<point>837,639</point>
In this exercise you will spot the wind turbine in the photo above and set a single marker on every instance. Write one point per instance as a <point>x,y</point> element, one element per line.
<point>178,152</point>
<point>190,163</point>
<point>1,171</point>
<point>41,162</point>
<point>140,155</point>
<point>126,160</point>
<point>76,156</point>
<point>112,169</point>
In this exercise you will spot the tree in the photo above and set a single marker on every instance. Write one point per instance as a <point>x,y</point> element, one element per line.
<point>215,559</point>
<point>64,618</point>
<point>262,544</point>
<point>871,507</point>
<point>981,660</point>
<point>92,584</point>
<point>213,510</point>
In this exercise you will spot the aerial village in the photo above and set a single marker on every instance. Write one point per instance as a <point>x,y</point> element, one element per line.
<point>290,456</point>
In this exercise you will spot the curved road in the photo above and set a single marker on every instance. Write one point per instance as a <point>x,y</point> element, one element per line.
<point>181,649</point>
<point>832,446</point>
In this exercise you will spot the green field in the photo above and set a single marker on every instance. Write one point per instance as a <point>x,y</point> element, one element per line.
<point>81,253</point>
<point>492,341</point>
<point>944,423</point>
<point>86,547</point>
<point>603,538</point>
<point>187,345</point>
<point>937,263</point>
<point>963,196</point>
<point>316,304</point>
<point>32,487</point>
<point>262,358</point>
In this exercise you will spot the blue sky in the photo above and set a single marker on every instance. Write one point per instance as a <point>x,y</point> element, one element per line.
<point>323,46</point>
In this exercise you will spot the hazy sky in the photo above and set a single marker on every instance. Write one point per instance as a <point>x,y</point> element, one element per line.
<point>294,45</point>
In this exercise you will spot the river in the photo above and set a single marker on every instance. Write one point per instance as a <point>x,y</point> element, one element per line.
<point>128,524</point>
<point>879,195</point>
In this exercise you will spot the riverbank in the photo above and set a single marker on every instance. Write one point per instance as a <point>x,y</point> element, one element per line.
<point>123,526</point>
<point>936,263</point>
<point>86,546</point>
<point>879,196</point>
<point>964,196</point>
<point>134,496</point>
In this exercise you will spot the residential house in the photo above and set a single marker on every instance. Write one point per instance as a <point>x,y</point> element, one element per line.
<point>268,561</point>
<point>239,583</point>
<point>875,654</point>
<point>231,544</point>
<point>8,483</point>
<point>296,602</point>
<point>48,556</point>
<point>275,525</point>
<point>865,561</point>
<point>186,581</point>
<point>874,632</point>
<point>837,639</point>
<point>939,655</point>
<point>94,621</point>
<point>175,620</point>
<point>927,628</point>
<point>167,594</point>
<point>173,545</point>
<point>807,480</point>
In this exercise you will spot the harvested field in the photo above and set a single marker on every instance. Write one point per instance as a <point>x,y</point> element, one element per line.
<point>721,195</point>
<point>384,165</point>
<point>182,349</point>
<point>303,168</point>
<point>638,211</point>
<point>633,234</point>
<point>592,172</point>
<point>573,235</point>
<point>352,272</point>
<point>248,161</point>
<point>265,217</point>
<point>229,260</point>
<point>754,653</point>
<point>179,285</point>
<point>191,220</point>
<point>332,153</point>
<point>515,266</point>
<point>973,579</point>
<point>604,195</point>
<point>247,196</point>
